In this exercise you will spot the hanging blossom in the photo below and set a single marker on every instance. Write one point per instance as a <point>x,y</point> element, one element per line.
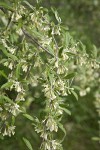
<point>10,130</point>
<point>50,72</point>
<point>13,108</point>
<point>10,49</point>
<point>51,125</point>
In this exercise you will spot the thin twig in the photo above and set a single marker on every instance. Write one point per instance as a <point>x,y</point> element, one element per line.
<point>35,41</point>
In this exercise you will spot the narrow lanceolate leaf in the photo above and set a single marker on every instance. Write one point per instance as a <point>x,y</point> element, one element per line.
<point>56,15</point>
<point>18,68</point>
<point>75,94</point>
<point>71,75</point>
<point>6,85</point>
<point>3,97</point>
<point>28,117</point>
<point>28,144</point>
<point>66,110</point>
<point>63,129</point>
<point>5,5</point>
<point>2,61</point>
<point>60,51</point>
<point>67,39</point>
<point>2,73</point>
<point>13,57</point>
<point>94,52</point>
<point>96,138</point>
<point>50,50</point>
<point>28,4</point>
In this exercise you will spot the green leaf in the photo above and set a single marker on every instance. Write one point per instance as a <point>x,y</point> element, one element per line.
<point>60,51</point>
<point>96,138</point>
<point>3,74</point>
<point>70,53</point>
<point>63,129</point>
<point>66,110</point>
<point>36,34</point>
<point>77,88</point>
<point>12,56</point>
<point>71,75</point>
<point>5,5</point>
<point>28,117</point>
<point>6,85</point>
<point>28,144</point>
<point>8,54</point>
<point>13,120</point>
<point>3,97</point>
<point>28,4</point>
<point>75,94</point>
<point>67,39</point>
<point>94,51</point>
<point>50,50</point>
<point>18,70</point>
<point>2,61</point>
<point>38,1</point>
<point>51,77</point>
<point>56,15</point>
<point>82,47</point>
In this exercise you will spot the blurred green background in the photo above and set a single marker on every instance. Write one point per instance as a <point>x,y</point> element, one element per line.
<point>82,17</point>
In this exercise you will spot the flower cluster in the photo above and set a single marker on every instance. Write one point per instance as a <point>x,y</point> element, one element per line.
<point>9,131</point>
<point>40,60</point>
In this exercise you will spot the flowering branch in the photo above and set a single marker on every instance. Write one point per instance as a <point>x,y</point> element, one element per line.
<point>35,41</point>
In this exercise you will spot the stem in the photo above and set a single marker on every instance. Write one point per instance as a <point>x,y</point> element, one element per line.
<point>35,41</point>
<point>10,21</point>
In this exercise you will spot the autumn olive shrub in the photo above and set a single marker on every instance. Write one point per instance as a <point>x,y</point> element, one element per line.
<point>38,52</point>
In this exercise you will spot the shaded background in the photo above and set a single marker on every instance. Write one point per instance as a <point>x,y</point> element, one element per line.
<point>82,17</point>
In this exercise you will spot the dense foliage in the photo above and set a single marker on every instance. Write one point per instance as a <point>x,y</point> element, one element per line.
<point>42,71</point>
